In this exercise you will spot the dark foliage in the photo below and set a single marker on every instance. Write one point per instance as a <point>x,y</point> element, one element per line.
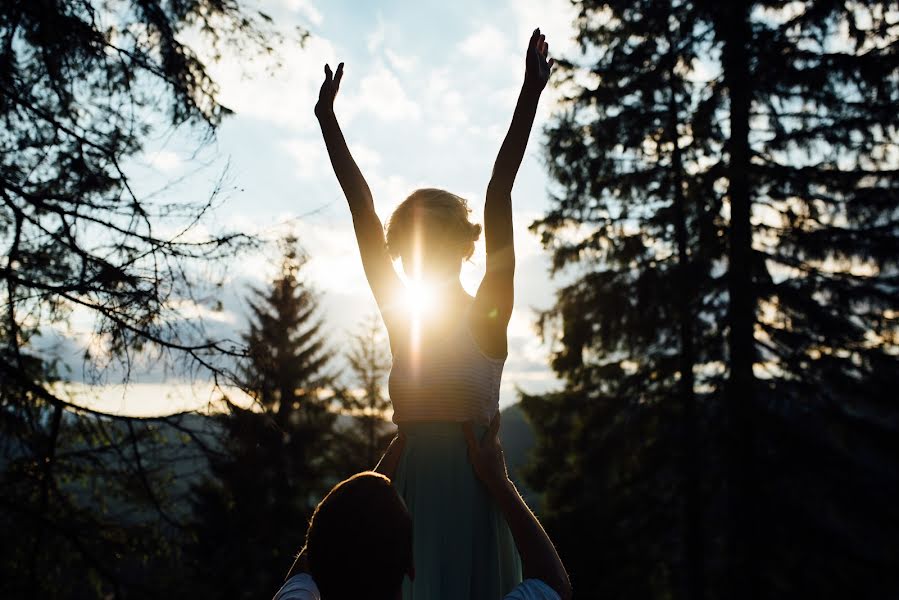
<point>369,361</point>
<point>82,86</point>
<point>725,200</point>
<point>276,464</point>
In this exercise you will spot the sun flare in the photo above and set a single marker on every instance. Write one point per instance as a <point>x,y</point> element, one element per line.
<point>419,298</point>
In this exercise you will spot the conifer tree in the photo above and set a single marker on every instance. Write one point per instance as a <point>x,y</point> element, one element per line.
<point>370,363</point>
<point>634,192</point>
<point>275,462</point>
<point>777,249</point>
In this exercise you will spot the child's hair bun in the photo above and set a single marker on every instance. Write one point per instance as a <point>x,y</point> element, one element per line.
<point>436,208</point>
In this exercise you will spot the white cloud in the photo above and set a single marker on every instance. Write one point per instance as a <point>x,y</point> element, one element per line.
<point>308,157</point>
<point>381,94</point>
<point>486,42</point>
<point>366,158</point>
<point>441,133</point>
<point>403,64</point>
<point>554,18</point>
<point>305,9</point>
<point>188,309</point>
<point>376,38</point>
<point>151,399</point>
<point>311,157</point>
<point>165,160</point>
<point>445,102</point>
<point>281,90</point>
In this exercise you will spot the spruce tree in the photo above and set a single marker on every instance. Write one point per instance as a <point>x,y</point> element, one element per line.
<point>369,362</point>
<point>633,201</point>
<point>275,462</point>
<point>725,195</point>
<point>821,151</point>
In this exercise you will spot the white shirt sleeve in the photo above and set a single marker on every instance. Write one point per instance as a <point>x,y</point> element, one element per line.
<point>532,589</point>
<point>299,587</point>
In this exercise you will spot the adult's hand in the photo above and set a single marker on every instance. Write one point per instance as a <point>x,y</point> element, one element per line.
<point>539,559</point>
<point>486,455</point>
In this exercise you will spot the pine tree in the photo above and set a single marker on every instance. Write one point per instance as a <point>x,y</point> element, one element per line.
<point>370,364</point>
<point>725,176</point>
<point>634,193</point>
<point>275,464</point>
<point>821,83</point>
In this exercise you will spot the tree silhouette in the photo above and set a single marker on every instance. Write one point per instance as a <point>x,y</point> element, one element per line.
<point>83,86</point>
<point>723,174</point>
<point>634,189</point>
<point>276,461</point>
<point>370,364</point>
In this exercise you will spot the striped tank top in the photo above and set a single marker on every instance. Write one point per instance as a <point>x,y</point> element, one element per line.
<point>447,380</point>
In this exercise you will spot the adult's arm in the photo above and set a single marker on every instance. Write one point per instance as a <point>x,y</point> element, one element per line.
<point>538,554</point>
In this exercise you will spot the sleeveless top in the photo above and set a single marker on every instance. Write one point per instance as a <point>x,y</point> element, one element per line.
<point>450,381</point>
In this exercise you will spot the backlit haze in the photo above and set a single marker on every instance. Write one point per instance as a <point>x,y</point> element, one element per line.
<point>428,93</point>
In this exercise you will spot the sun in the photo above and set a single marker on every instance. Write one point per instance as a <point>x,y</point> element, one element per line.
<point>419,298</point>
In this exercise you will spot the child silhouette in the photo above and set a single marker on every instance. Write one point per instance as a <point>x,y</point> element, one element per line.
<point>448,361</point>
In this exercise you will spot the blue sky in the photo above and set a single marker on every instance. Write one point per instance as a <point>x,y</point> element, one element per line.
<point>427,95</point>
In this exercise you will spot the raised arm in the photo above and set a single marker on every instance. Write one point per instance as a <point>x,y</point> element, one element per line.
<point>495,296</point>
<point>382,278</point>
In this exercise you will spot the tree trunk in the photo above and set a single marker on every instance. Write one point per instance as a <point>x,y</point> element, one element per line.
<point>46,478</point>
<point>693,538</point>
<point>736,34</point>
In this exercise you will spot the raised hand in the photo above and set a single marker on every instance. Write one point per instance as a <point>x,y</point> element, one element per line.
<point>328,91</point>
<point>537,67</point>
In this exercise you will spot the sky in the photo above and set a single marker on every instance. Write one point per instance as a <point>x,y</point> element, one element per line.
<point>428,93</point>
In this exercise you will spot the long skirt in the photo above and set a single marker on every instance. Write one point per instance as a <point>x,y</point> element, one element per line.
<point>462,546</point>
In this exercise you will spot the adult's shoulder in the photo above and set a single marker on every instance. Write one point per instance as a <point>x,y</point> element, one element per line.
<point>300,587</point>
<point>532,589</point>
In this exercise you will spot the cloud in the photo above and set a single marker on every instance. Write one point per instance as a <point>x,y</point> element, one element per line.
<point>165,160</point>
<point>308,156</point>
<point>403,64</point>
<point>382,95</point>
<point>555,19</point>
<point>280,89</point>
<point>445,102</point>
<point>376,38</point>
<point>305,9</point>
<point>486,42</point>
